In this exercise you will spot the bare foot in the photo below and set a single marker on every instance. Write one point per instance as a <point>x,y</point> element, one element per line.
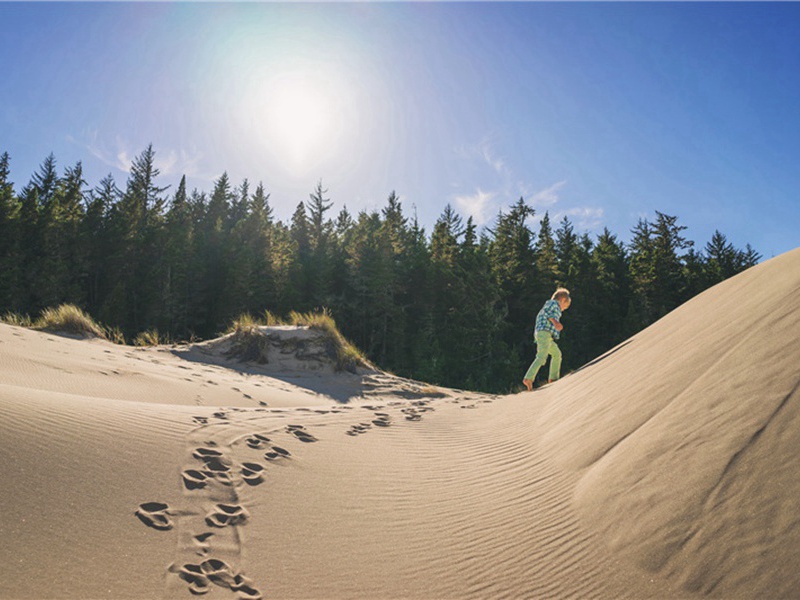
<point>528,384</point>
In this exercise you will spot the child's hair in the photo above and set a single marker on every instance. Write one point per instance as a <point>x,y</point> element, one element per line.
<point>562,293</point>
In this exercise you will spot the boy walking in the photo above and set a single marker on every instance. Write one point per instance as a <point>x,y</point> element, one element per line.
<point>548,327</point>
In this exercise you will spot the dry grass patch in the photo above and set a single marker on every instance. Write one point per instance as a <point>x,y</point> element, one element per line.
<point>345,356</point>
<point>68,318</point>
<point>10,318</point>
<point>249,343</point>
<point>151,337</point>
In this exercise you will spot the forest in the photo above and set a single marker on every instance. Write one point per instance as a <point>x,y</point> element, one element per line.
<point>454,306</point>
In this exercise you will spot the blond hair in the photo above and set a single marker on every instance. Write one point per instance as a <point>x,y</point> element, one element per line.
<point>562,293</point>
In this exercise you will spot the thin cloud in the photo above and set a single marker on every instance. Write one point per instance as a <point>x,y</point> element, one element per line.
<point>478,205</point>
<point>500,185</point>
<point>170,162</point>
<point>484,151</point>
<point>583,218</point>
<point>548,196</point>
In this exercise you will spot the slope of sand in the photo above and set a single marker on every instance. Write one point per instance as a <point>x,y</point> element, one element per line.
<point>662,470</point>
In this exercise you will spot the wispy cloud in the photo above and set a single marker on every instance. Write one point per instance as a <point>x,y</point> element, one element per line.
<point>498,186</point>
<point>484,151</point>
<point>583,218</point>
<point>170,162</point>
<point>479,205</point>
<point>548,196</point>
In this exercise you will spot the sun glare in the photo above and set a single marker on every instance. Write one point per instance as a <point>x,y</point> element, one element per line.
<point>299,118</point>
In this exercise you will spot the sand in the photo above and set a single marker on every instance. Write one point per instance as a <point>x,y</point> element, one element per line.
<point>664,469</point>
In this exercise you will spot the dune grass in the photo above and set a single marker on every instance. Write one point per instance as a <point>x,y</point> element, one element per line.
<point>16,319</point>
<point>250,344</point>
<point>68,318</point>
<point>151,337</point>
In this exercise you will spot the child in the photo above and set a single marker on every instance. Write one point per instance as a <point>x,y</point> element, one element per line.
<point>548,326</point>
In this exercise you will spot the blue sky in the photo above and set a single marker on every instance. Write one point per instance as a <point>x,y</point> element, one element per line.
<point>603,112</point>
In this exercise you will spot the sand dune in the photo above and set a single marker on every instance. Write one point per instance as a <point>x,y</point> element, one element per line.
<point>665,469</point>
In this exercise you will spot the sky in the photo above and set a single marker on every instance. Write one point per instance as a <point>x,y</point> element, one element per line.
<point>601,112</point>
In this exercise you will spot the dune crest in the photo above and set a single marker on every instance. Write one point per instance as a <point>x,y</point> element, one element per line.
<point>685,438</point>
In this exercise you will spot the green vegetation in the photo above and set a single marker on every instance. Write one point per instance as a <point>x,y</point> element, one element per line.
<point>454,306</point>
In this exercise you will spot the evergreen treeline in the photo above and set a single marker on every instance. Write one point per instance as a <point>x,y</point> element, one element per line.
<point>455,307</point>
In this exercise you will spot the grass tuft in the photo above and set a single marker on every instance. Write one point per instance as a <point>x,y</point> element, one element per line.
<point>115,335</point>
<point>16,319</point>
<point>151,337</point>
<point>248,344</point>
<point>346,357</point>
<point>68,318</point>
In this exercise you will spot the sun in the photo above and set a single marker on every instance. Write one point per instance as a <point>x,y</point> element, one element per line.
<point>299,118</point>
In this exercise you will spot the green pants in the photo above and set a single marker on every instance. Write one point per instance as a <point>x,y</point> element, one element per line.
<point>545,346</point>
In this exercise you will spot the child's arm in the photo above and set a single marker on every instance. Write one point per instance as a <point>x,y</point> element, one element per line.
<point>557,324</point>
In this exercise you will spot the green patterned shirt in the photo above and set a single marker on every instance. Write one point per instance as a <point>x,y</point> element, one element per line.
<point>550,310</point>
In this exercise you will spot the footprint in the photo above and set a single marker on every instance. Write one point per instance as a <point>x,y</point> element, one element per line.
<point>276,453</point>
<point>154,514</point>
<point>197,580</point>
<point>203,453</point>
<point>193,479</point>
<point>214,460</point>
<point>224,515</point>
<point>252,473</point>
<point>382,421</point>
<point>358,429</point>
<point>257,441</point>
<point>303,436</point>
<point>218,572</point>
<point>412,415</point>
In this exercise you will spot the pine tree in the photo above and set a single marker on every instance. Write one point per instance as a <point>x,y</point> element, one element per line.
<point>320,229</point>
<point>178,258</point>
<point>513,261</point>
<point>612,292</point>
<point>97,240</point>
<point>136,269</point>
<point>722,259</point>
<point>640,311</point>
<point>546,257</point>
<point>9,240</point>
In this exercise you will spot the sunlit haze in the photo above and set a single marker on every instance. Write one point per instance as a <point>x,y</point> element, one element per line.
<point>600,112</point>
